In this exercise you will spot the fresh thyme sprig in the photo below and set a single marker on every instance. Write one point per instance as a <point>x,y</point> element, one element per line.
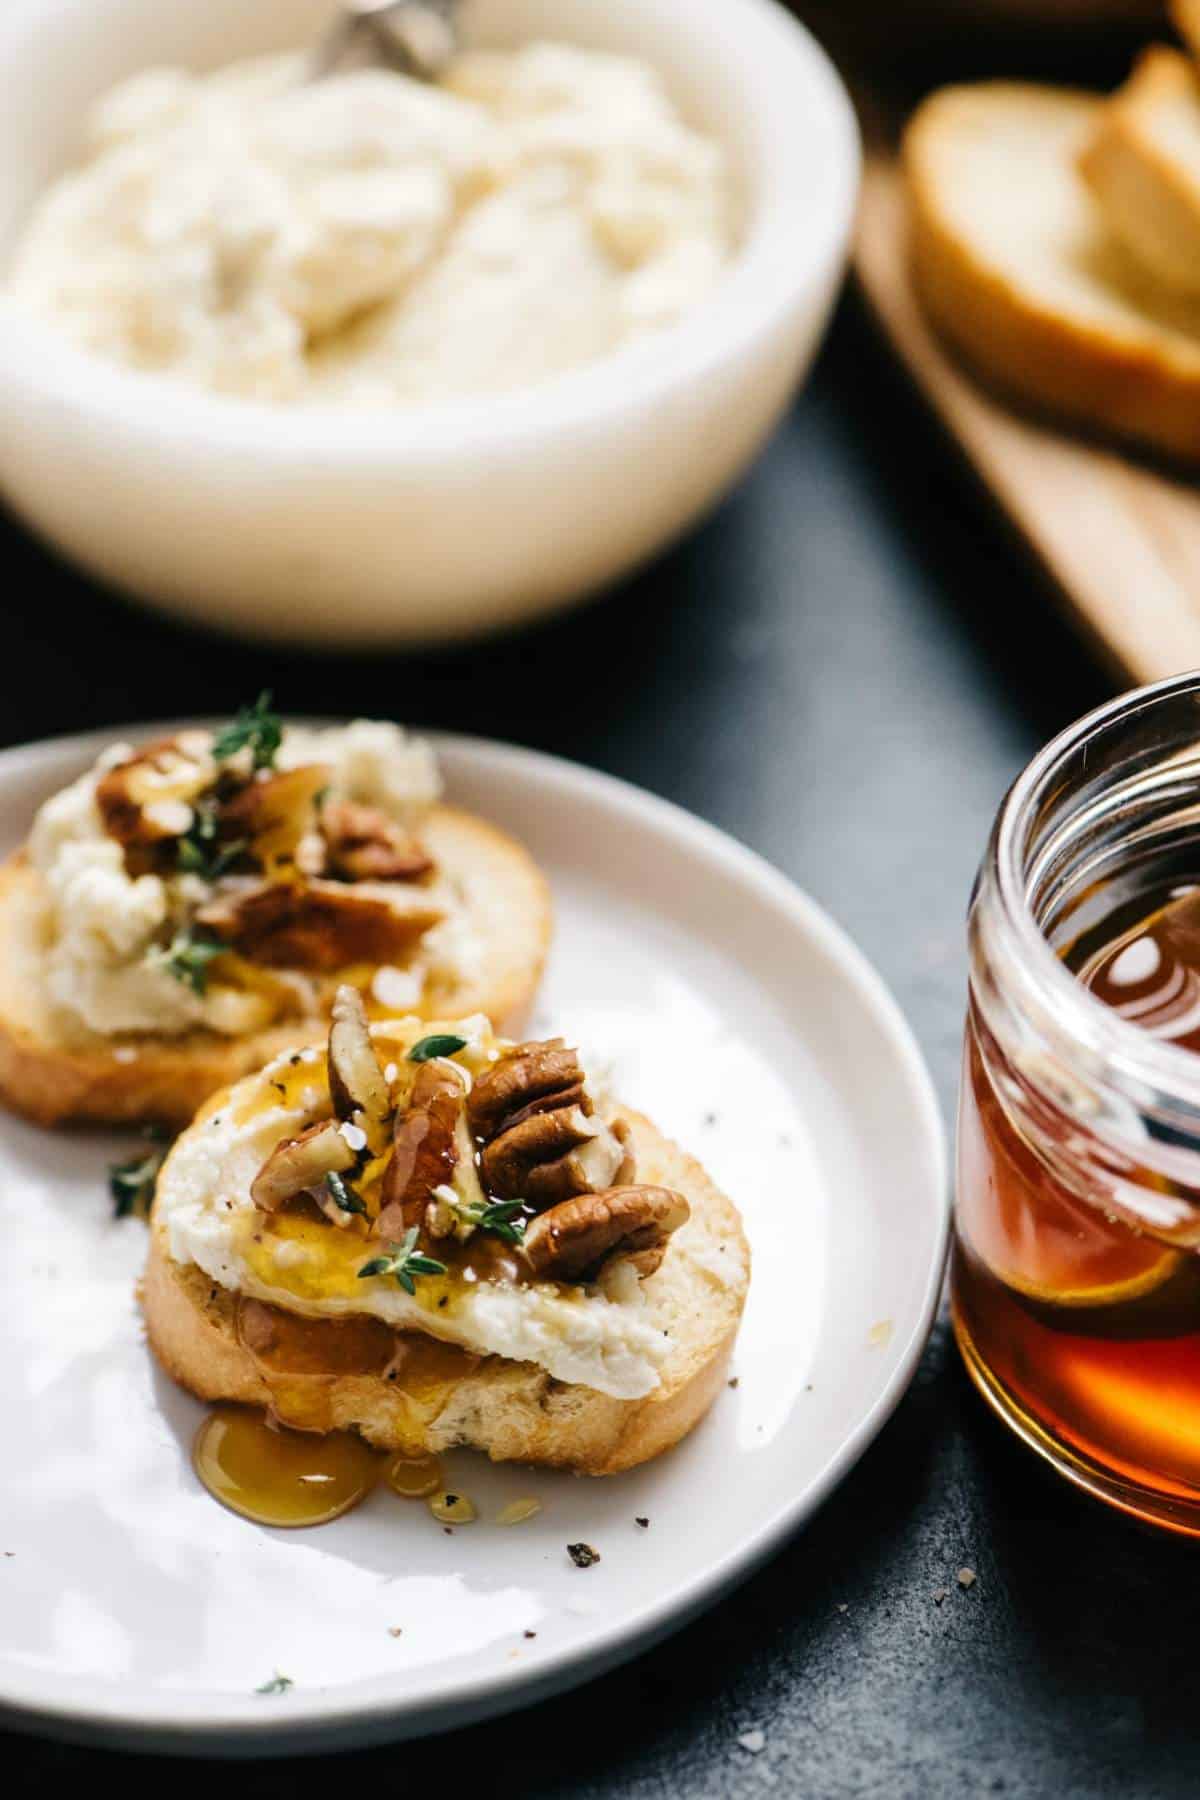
<point>403,1260</point>
<point>504,1217</point>
<point>426,1048</point>
<point>256,726</point>
<point>343,1195</point>
<point>188,956</point>
<point>131,1184</point>
<point>278,1684</point>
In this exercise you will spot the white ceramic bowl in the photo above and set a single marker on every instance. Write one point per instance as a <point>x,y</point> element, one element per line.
<point>428,524</point>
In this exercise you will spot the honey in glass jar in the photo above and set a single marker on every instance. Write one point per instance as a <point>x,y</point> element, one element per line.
<point>1076,1273</point>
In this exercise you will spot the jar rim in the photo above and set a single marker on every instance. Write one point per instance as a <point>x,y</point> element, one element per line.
<point>1131,1055</point>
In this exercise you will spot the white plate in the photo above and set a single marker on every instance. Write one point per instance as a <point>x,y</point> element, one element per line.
<point>135,1610</point>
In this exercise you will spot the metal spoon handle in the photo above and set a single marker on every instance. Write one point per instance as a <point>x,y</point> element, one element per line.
<point>414,37</point>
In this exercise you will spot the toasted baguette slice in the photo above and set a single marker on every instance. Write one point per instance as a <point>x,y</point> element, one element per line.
<point>515,1412</point>
<point>1142,163</point>
<point>1018,271</point>
<point>51,1074</point>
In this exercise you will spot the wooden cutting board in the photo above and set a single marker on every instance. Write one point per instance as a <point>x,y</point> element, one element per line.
<point>1121,540</point>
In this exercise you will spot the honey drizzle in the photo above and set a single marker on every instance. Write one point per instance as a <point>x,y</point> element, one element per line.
<point>301,1085</point>
<point>287,1088</point>
<point>291,1466</point>
<point>416,1477</point>
<point>299,1359</point>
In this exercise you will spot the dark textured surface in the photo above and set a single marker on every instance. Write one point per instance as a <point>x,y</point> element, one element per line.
<point>844,668</point>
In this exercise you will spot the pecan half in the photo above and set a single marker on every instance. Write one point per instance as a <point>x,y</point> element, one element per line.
<point>321,925</point>
<point>550,1156</point>
<point>300,1164</point>
<point>541,1141</point>
<point>425,1150</point>
<point>356,1083</point>
<point>573,1241</point>
<point>363,844</point>
<point>530,1078</point>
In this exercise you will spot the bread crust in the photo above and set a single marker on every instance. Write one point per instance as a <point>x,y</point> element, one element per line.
<point>513,1412</point>
<point>53,1076</point>
<point>1127,370</point>
<point>1142,163</point>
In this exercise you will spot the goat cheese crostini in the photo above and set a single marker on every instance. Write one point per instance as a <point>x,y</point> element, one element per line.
<point>437,1238</point>
<point>184,903</point>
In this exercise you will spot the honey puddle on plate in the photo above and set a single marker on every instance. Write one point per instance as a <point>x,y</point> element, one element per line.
<point>288,1467</point>
<point>280,1477</point>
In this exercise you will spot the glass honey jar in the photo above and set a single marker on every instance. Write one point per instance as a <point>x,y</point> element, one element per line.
<point>1076,1270</point>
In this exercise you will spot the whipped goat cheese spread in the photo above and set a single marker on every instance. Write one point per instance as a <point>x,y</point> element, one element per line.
<point>367,240</point>
<point>104,925</point>
<point>604,1337</point>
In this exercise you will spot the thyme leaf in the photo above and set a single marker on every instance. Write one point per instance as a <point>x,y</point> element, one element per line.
<point>278,1684</point>
<point>256,726</point>
<point>188,955</point>
<point>343,1195</point>
<point>506,1218</point>
<point>426,1048</point>
<point>403,1260</point>
<point>199,851</point>
<point>131,1184</point>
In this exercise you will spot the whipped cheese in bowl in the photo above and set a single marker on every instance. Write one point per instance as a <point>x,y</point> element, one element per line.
<point>473,509</point>
<point>366,240</point>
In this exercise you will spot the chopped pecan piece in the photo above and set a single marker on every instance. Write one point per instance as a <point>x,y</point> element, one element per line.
<point>300,1164</point>
<point>318,925</point>
<point>425,1152</point>
<point>146,800</point>
<point>532,1077</point>
<point>273,814</point>
<point>573,1241</point>
<point>363,844</point>
<point>356,1082</point>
